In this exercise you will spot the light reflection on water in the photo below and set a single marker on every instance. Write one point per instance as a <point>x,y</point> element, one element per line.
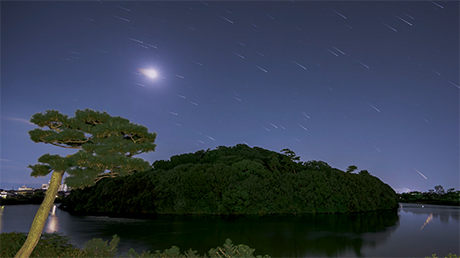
<point>1,216</point>
<point>424,230</point>
<point>428,220</point>
<point>411,231</point>
<point>52,224</point>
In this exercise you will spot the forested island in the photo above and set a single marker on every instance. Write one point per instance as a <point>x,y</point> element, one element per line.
<point>234,180</point>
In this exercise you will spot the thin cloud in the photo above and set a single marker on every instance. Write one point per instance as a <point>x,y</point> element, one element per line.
<point>22,120</point>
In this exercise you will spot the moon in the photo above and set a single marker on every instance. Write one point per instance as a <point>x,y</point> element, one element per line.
<point>151,73</point>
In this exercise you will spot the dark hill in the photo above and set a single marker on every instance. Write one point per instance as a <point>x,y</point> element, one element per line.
<point>234,180</point>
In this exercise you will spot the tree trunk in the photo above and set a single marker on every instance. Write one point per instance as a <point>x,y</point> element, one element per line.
<point>42,214</point>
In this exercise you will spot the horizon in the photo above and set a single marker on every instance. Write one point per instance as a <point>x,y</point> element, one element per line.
<point>15,185</point>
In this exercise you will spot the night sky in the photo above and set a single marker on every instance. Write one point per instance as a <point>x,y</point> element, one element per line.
<point>371,84</point>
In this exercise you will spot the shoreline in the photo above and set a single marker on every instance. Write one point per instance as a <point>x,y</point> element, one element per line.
<point>453,204</point>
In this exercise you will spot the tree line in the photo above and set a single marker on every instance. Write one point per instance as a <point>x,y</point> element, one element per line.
<point>438,195</point>
<point>33,198</point>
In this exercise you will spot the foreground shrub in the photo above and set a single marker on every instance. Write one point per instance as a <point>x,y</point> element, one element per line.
<point>49,245</point>
<point>448,256</point>
<point>227,250</point>
<point>56,245</point>
<point>100,248</point>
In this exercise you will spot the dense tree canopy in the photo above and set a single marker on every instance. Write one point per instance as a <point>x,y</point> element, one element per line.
<point>235,180</point>
<point>106,145</point>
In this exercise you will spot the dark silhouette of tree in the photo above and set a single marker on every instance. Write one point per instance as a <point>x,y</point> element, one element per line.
<point>318,165</point>
<point>364,172</point>
<point>289,160</point>
<point>351,168</point>
<point>106,146</point>
<point>289,153</point>
<point>439,189</point>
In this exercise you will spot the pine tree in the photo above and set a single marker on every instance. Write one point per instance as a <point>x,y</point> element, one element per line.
<point>351,168</point>
<point>106,146</point>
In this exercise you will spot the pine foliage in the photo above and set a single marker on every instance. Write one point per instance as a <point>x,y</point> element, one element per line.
<point>106,145</point>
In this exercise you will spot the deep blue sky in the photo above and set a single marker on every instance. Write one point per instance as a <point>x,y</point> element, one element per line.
<point>371,84</point>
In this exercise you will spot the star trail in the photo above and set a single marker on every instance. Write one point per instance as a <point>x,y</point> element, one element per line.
<point>371,83</point>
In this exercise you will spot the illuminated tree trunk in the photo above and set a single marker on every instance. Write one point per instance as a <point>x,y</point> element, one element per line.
<point>42,214</point>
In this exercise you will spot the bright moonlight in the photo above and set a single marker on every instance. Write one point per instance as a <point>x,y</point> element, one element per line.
<point>149,73</point>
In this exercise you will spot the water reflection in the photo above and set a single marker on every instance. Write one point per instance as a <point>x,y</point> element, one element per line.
<point>277,235</point>
<point>377,234</point>
<point>52,224</point>
<point>1,217</point>
<point>444,213</point>
<point>428,220</point>
<point>53,210</point>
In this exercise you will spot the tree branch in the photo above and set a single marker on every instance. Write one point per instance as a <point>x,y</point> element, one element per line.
<point>78,147</point>
<point>79,141</point>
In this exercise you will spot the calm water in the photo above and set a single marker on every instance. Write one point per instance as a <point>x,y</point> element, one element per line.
<point>412,231</point>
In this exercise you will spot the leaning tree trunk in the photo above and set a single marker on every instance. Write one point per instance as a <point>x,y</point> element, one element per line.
<point>42,214</point>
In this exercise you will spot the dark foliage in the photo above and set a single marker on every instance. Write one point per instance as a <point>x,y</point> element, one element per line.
<point>235,180</point>
<point>437,196</point>
<point>228,249</point>
<point>56,245</point>
<point>49,245</point>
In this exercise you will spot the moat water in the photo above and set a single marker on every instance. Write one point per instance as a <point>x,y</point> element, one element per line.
<point>414,230</point>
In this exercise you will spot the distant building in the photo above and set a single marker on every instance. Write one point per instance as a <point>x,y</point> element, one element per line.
<point>3,194</point>
<point>7,194</point>
<point>62,187</point>
<point>25,188</point>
